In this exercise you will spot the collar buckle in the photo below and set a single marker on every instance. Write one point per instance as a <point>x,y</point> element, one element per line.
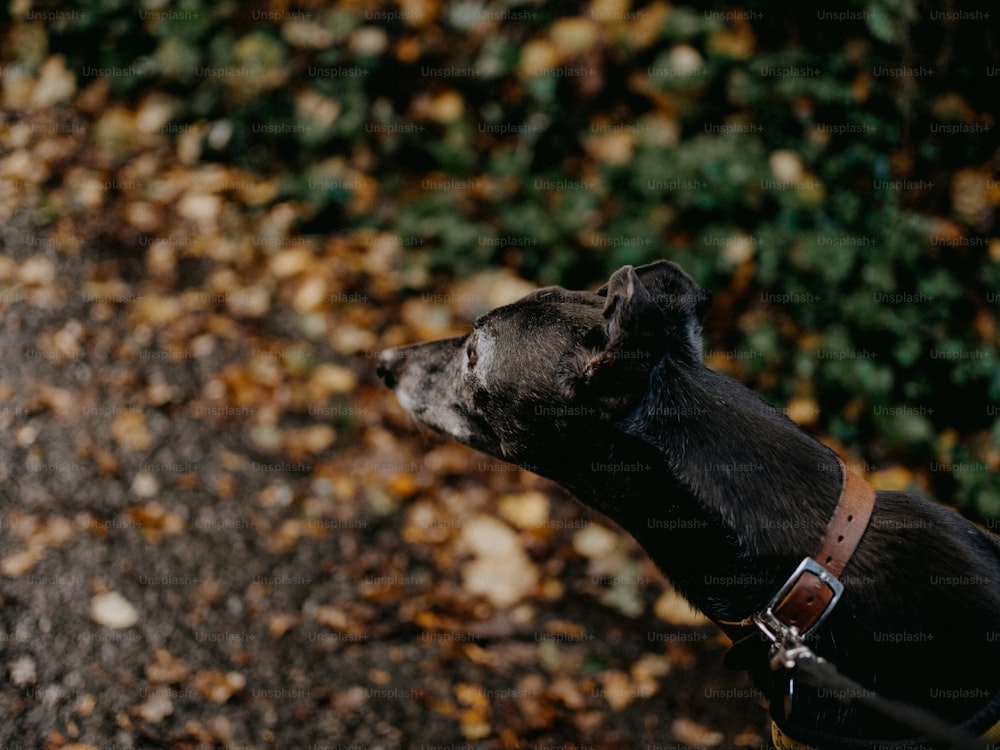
<point>774,627</point>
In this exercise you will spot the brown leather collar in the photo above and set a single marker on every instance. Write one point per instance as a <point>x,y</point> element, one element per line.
<point>811,592</point>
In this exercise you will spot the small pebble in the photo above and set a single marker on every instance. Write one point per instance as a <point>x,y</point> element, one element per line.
<point>112,610</point>
<point>22,671</point>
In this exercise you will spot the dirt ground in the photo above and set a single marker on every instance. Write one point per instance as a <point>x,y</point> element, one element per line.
<point>185,565</point>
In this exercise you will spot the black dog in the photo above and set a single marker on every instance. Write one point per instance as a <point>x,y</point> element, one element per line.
<point>606,393</point>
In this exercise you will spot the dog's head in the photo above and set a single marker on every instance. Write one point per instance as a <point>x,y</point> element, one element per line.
<point>553,363</point>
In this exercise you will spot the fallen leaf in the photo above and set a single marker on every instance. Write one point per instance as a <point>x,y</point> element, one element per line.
<point>616,688</point>
<point>156,521</point>
<point>328,379</point>
<point>19,563</point>
<point>537,57</point>
<point>281,623</point>
<point>128,429</point>
<point>165,668</point>
<point>156,707</point>
<point>501,571</point>
<point>573,35</point>
<point>85,704</point>
<point>692,733</point>
<point>526,510</point>
<point>802,410</point>
<point>157,309</point>
<point>614,148</point>
<point>218,687</point>
<point>673,608</point>
<point>645,672</point>
<point>55,83</point>
<point>786,166</point>
<point>595,541</point>
<point>568,692</point>
<point>332,617</point>
<point>446,107</point>
<point>36,271</point>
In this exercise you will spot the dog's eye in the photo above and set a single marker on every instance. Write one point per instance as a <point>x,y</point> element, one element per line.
<point>470,353</point>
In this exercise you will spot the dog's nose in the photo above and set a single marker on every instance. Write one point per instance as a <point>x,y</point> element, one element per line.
<point>384,367</point>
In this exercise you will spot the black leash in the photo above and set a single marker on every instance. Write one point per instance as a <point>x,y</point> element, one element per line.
<point>789,652</point>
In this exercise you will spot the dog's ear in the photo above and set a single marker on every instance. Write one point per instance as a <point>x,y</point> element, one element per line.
<point>613,369</point>
<point>631,316</point>
<point>649,312</point>
<point>681,302</point>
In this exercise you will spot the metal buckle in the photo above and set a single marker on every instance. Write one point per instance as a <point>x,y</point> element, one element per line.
<point>774,628</point>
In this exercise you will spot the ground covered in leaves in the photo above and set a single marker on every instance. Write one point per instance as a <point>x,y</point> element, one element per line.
<point>217,530</point>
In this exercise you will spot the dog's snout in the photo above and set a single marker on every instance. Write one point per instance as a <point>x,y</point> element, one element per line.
<point>385,367</point>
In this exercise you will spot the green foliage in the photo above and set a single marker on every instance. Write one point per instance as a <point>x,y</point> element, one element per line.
<point>750,147</point>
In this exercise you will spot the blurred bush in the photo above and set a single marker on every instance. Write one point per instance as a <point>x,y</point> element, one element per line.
<point>830,174</point>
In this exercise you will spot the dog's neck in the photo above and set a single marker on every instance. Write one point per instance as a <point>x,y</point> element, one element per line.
<point>741,458</point>
<point>742,494</point>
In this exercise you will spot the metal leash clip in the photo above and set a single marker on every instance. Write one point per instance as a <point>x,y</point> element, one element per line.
<point>786,651</point>
<point>787,646</point>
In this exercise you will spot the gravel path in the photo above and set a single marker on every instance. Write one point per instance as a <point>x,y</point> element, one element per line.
<point>175,575</point>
